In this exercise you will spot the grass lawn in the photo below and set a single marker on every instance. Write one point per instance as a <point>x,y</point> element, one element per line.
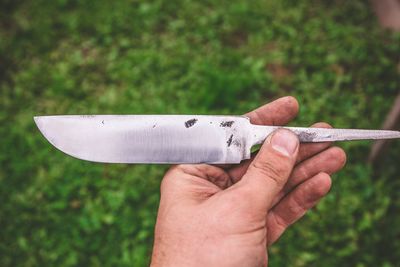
<point>187,57</point>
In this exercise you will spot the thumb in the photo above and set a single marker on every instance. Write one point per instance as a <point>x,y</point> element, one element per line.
<point>270,169</point>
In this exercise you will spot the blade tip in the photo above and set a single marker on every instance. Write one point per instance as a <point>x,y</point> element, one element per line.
<point>38,120</point>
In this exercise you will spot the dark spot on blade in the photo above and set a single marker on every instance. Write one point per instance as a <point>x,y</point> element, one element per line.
<point>226,124</point>
<point>307,137</point>
<point>154,126</point>
<point>190,123</point>
<point>229,142</point>
<point>102,121</point>
<point>236,143</point>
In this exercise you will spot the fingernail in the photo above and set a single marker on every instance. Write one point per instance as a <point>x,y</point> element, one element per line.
<point>285,142</point>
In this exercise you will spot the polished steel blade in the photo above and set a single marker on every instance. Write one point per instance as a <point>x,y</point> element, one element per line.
<point>149,138</point>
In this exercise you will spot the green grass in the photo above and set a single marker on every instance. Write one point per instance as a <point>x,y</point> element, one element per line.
<point>208,57</point>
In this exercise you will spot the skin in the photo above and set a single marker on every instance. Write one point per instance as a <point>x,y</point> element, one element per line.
<point>229,215</point>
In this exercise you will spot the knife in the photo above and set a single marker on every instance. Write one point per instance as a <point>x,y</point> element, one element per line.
<point>174,138</point>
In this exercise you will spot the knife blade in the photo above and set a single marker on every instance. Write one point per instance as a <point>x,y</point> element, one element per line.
<point>174,138</point>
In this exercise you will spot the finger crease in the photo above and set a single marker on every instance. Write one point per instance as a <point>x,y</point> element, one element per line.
<point>270,172</point>
<point>279,221</point>
<point>299,206</point>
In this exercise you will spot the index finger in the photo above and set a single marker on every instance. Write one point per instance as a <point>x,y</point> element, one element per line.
<point>278,112</point>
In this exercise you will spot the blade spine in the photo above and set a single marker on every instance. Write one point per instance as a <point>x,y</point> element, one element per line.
<point>135,115</point>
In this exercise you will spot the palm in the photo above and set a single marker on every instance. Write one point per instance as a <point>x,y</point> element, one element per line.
<point>212,211</point>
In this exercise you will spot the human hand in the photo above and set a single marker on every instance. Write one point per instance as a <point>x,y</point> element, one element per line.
<point>228,215</point>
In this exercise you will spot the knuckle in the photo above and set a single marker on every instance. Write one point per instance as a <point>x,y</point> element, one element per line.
<point>297,207</point>
<point>303,173</point>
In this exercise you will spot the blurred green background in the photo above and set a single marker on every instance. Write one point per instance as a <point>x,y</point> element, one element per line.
<point>208,57</point>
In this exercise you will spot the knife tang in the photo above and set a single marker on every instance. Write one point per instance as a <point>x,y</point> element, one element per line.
<point>314,135</point>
